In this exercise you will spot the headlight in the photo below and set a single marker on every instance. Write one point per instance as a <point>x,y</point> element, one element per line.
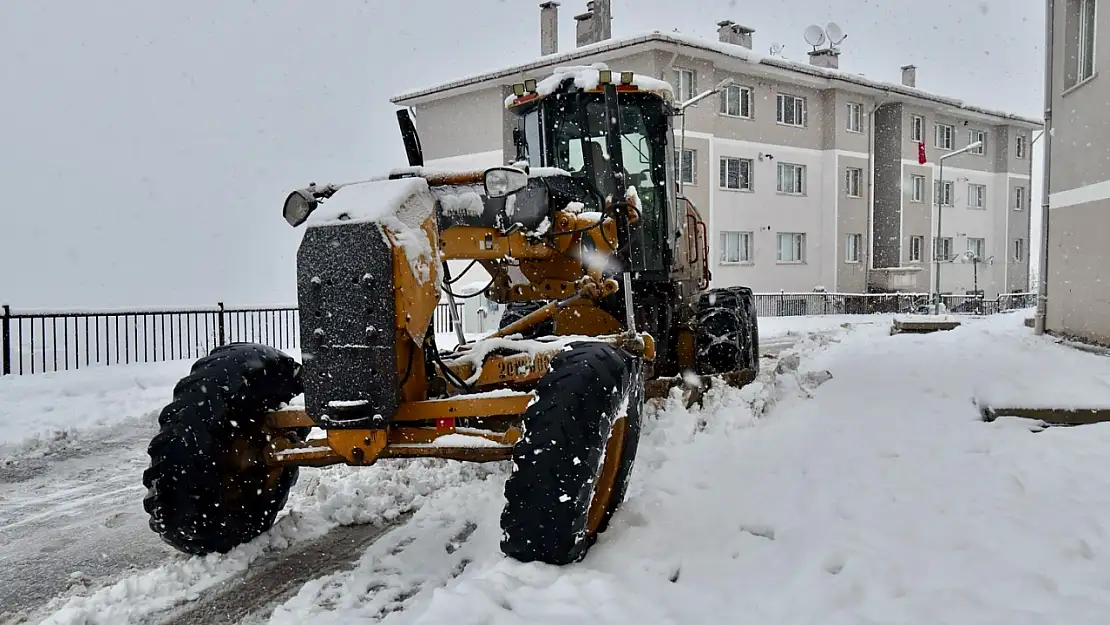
<point>298,206</point>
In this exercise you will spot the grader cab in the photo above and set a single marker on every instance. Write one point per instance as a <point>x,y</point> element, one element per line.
<point>602,267</point>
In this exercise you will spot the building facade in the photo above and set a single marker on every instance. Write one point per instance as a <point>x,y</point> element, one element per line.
<point>808,176</point>
<point>1078,280</point>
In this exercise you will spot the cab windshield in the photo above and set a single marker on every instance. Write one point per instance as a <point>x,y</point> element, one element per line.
<point>576,141</point>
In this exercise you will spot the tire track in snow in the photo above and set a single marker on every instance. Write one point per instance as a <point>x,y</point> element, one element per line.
<point>279,576</point>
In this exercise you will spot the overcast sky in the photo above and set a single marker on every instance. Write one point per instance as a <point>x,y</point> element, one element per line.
<point>147,146</point>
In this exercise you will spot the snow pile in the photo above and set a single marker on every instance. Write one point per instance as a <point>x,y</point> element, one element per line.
<point>45,413</point>
<point>399,207</point>
<point>869,491</point>
<point>588,77</point>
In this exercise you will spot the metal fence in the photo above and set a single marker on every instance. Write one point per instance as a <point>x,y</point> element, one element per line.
<point>799,304</point>
<point>47,341</point>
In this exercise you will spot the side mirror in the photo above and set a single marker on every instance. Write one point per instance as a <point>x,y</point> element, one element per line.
<point>504,181</point>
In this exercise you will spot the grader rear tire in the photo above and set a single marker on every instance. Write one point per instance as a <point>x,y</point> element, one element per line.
<point>727,337</point>
<point>204,494</point>
<point>572,465</point>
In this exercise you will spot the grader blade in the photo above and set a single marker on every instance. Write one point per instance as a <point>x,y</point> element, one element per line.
<point>693,386</point>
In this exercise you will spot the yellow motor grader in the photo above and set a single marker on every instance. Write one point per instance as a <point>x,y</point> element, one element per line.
<point>603,270</point>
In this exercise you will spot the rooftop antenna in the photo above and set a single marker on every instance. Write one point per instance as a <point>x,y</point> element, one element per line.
<point>776,49</point>
<point>814,36</point>
<point>835,34</point>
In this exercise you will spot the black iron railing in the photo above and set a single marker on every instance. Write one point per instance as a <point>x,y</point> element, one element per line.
<point>47,341</point>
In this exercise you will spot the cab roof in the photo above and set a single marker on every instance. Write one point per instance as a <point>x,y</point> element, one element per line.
<point>590,78</point>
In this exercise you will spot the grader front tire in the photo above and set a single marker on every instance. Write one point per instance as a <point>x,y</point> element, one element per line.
<point>572,465</point>
<point>207,491</point>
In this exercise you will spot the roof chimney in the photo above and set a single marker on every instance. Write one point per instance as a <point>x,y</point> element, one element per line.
<point>827,58</point>
<point>909,76</point>
<point>729,31</point>
<point>596,24</point>
<point>549,28</point>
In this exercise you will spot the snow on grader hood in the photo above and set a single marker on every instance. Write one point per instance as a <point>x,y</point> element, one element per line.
<point>563,403</point>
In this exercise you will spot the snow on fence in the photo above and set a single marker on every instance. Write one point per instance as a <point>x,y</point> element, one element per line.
<point>60,340</point>
<point>785,304</point>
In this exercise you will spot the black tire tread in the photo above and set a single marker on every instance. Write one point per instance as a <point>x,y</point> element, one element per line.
<point>559,455</point>
<point>185,498</point>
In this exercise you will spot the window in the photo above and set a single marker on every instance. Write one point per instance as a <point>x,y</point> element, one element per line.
<point>1019,148</point>
<point>1019,198</point>
<point>944,250</point>
<point>853,182</point>
<point>792,179</point>
<point>917,188</point>
<point>736,101</point>
<point>684,82</point>
<point>1019,250</point>
<point>736,173</point>
<point>855,115</point>
<point>852,245</point>
<point>791,110</point>
<point>686,164</point>
<point>943,136</point>
<point>917,244</point>
<point>736,247</point>
<point>978,247</point>
<point>1085,54</point>
<point>792,247</point>
<point>917,128</point>
<point>943,192</point>
<point>977,135</point>
<point>976,196</point>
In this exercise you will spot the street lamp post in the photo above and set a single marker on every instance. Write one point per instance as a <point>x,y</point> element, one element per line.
<point>936,242</point>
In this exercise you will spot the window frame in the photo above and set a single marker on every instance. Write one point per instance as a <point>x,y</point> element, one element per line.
<point>797,244</point>
<point>679,72</point>
<point>1018,250</point>
<point>855,111</point>
<point>919,240</point>
<point>981,190</point>
<point>723,163</point>
<point>746,96</point>
<point>1019,198</point>
<point>947,241</point>
<point>917,188</point>
<point>679,154</point>
<point>939,188</point>
<point>797,101</point>
<point>853,242</point>
<point>973,136</point>
<point>917,128</point>
<point>744,251</point>
<point>848,172</point>
<point>951,135</point>
<point>983,244</point>
<point>800,178</point>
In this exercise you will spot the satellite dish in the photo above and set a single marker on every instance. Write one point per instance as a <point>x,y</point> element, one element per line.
<point>814,36</point>
<point>776,48</point>
<point>835,33</point>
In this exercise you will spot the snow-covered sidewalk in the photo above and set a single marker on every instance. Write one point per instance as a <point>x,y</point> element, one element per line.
<point>878,497</point>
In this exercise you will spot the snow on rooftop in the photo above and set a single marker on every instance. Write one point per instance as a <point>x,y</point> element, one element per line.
<point>731,50</point>
<point>588,77</point>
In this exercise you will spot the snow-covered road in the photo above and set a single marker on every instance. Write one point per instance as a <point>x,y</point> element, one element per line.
<point>873,496</point>
<point>72,450</point>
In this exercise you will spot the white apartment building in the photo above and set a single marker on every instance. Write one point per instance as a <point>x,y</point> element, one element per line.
<point>808,176</point>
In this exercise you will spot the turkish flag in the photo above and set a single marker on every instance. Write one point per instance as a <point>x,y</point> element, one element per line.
<point>921,152</point>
